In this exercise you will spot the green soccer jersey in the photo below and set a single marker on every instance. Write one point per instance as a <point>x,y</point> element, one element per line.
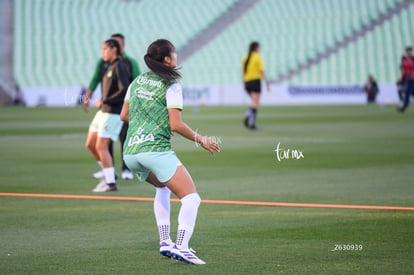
<point>149,97</point>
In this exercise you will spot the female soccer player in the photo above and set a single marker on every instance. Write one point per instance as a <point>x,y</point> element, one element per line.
<point>106,124</point>
<point>152,107</point>
<point>253,72</point>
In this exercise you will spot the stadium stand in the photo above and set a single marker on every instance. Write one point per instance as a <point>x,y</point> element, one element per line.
<point>376,53</point>
<point>6,48</point>
<point>58,42</point>
<point>303,41</point>
<point>288,43</point>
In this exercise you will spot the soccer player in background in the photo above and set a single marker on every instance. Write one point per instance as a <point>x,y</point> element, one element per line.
<point>253,72</point>
<point>133,71</point>
<point>152,106</point>
<point>407,77</point>
<point>106,125</point>
<point>371,89</point>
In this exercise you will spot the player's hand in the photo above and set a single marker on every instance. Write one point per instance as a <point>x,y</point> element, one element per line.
<point>98,103</point>
<point>210,145</point>
<point>85,105</point>
<point>86,99</point>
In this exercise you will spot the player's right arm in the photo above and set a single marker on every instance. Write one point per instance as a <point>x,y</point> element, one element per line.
<point>96,76</point>
<point>86,100</point>
<point>92,85</point>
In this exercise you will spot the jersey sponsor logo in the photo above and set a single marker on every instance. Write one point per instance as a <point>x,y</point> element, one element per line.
<point>142,93</point>
<point>140,138</point>
<point>150,82</point>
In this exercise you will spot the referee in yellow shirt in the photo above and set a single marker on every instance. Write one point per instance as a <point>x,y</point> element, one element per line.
<point>253,73</point>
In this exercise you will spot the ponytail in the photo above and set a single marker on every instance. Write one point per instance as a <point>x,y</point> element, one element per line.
<point>154,59</point>
<point>253,46</point>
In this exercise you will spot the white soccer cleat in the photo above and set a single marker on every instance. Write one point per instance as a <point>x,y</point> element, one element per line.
<point>102,186</point>
<point>186,256</point>
<point>166,248</point>
<point>105,188</point>
<point>98,175</point>
<point>127,175</point>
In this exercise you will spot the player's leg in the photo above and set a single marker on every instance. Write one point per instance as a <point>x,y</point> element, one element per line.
<point>255,101</point>
<point>253,88</point>
<point>126,174</point>
<point>248,114</point>
<point>166,170</point>
<point>162,214</point>
<point>182,185</point>
<point>161,200</point>
<point>99,174</point>
<point>102,145</point>
<point>109,128</point>
<point>111,150</point>
<point>407,95</point>
<point>90,142</point>
<point>249,111</point>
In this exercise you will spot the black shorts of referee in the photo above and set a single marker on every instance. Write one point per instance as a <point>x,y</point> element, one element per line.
<point>253,86</point>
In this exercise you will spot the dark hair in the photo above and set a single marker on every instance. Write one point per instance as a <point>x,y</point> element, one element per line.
<point>119,35</point>
<point>253,46</point>
<point>154,59</point>
<point>113,43</point>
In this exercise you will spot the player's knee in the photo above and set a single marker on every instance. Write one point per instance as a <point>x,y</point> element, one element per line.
<point>197,198</point>
<point>102,146</point>
<point>192,198</point>
<point>89,145</point>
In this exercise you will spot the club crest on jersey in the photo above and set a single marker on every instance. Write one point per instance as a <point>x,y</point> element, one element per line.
<point>109,74</point>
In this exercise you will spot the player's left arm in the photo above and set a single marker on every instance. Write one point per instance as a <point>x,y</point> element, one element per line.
<point>262,73</point>
<point>264,77</point>
<point>174,99</point>
<point>179,126</point>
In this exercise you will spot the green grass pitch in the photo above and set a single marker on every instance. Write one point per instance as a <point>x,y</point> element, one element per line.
<point>355,155</point>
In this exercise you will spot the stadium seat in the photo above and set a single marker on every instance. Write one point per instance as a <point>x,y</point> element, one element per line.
<point>58,42</point>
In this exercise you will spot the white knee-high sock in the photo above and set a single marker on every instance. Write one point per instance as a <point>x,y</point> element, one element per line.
<point>109,174</point>
<point>162,212</point>
<point>187,219</point>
